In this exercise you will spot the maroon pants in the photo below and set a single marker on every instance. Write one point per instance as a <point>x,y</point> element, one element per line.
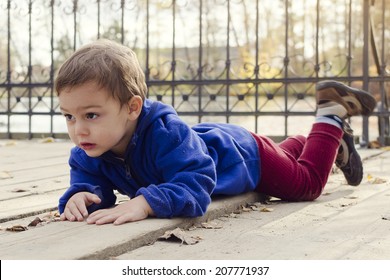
<point>298,168</point>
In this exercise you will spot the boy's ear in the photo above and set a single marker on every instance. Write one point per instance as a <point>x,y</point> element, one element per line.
<point>134,107</point>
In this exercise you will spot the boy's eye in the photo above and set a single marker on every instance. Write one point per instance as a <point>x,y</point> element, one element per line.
<point>68,117</point>
<point>91,116</point>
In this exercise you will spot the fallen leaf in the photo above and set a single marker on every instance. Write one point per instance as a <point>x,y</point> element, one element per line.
<point>374,144</point>
<point>5,175</point>
<point>10,143</point>
<point>386,217</point>
<point>51,217</point>
<point>180,235</point>
<point>347,204</point>
<point>266,209</point>
<point>378,180</point>
<point>245,209</point>
<point>35,222</point>
<point>47,140</point>
<point>16,228</point>
<point>211,225</point>
<point>255,208</point>
<point>232,215</point>
<point>17,190</point>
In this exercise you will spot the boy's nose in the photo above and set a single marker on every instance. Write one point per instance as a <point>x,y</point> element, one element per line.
<point>81,128</point>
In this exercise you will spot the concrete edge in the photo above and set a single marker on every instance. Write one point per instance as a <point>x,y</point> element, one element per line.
<point>219,207</point>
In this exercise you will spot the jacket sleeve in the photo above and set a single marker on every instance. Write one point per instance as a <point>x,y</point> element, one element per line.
<point>83,179</point>
<point>187,173</point>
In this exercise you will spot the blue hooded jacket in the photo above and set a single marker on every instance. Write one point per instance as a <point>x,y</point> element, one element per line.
<point>175,167</point>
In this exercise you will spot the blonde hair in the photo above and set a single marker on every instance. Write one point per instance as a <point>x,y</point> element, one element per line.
<point>109,64</point>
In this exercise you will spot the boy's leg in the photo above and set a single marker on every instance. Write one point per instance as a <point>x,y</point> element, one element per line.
<point>304,178</point>
<point>293,145</point>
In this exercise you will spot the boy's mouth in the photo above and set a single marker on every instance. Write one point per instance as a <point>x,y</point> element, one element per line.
<point>87,146</point>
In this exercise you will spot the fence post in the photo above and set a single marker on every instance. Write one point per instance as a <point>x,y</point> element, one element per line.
<point>366,39</point>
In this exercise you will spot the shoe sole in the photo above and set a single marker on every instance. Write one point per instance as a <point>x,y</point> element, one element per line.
<point>351,165</point>
<point>356,101</point>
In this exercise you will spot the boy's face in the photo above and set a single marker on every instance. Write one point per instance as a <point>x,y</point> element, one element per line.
<point>96,121</point>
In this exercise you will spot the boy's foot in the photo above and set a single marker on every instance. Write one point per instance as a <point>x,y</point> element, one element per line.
<point>348,159</point>
<point>335,98</point>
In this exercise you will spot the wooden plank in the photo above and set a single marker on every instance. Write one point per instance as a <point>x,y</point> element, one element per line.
<point>30,154</point>
<point>36,174</point>
<point>28,205</point>
<point>34,188</point>
<point>78,240</point>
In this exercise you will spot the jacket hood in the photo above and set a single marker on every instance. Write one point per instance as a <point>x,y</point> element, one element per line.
<point>151,111</point>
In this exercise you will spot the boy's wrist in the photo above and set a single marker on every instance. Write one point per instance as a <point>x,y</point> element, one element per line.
<point>145,205</point>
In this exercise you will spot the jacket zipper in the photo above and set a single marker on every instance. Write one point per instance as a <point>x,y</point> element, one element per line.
<point>128,170</point>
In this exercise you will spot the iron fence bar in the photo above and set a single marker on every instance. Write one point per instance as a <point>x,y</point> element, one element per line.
<point>173,62</point>
<point>8,80</point>
<point>257,67</point>
<point>227,62</point>
<point>365,64</point>
<point>383,122</point>
<point>285,65</point>
<point>200,59</point>
<point>51,78</point>
<point>29,70</point>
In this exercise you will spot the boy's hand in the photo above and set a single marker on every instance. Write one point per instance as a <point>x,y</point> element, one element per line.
<point>133,210</point>
<point>76,207</point>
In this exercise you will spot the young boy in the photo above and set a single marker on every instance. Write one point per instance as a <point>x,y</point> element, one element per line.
<point>141,148</point>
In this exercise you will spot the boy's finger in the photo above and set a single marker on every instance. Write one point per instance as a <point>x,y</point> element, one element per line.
<point>68,215</point>
<point>81,210</point>
<point>74,211</point>
<point>92,198</point>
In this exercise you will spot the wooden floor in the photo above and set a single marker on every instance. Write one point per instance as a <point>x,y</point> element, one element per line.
<point>32,176</point>
<point>344,223</point>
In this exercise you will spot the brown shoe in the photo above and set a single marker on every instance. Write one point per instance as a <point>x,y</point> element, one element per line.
<point>355,101</point>
<point>348,159</point>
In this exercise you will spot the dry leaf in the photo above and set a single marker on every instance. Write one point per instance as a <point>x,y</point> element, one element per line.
<point>352,197</point>
<point>211,225</point>
<point>347,204</point>
<point>35,222</point>
<point>5,175</point>
<point>266,209</point>
<point>256,206</point>
<point>386,217</point>
<point>17,190</point>
<point>374,144</point>
<point>180,235</point>
<point>51,217</point>
<point>232,215</point>
<point>47,140</point>
<point>245,209</point>
<point>375,180</point>
<point>16,228</point>
<point>378,181</point>
<point>10,143</point>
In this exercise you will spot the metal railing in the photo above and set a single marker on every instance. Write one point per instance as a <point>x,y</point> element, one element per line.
<point>254,63</point>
